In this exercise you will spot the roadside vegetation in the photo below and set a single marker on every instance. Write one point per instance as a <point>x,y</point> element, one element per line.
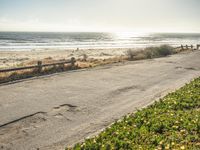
<point>151,52</point>
<point>86,62</point>
<point>173,122</point>
<point>28,73</point>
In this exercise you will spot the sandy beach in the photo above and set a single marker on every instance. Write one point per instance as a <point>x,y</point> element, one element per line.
<point>10,59</point>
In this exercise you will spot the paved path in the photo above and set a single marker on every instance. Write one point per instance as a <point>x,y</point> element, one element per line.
<point>58,110</point>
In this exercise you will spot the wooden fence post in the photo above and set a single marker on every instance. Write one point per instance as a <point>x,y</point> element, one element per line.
<point>39,63</point>
<point>182,47</point>
<point>73,60</point>
<point>63,66</point>
<point>191,46</point>
<point>186,46</point>
<point>198,46</point>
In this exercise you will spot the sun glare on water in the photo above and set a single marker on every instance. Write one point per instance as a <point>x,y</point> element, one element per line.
<point>128,35</point>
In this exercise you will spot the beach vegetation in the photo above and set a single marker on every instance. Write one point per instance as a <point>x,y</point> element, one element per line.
<point>23,74</point>
<point>85,57</point>
<point>86,62</point>
<point>131,53</point>
<point>151,52</point>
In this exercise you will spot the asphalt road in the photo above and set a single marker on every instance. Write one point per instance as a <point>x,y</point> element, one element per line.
<point>54,111</point>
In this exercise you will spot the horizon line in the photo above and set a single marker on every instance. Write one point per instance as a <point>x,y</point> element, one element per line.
<point>33,31</point>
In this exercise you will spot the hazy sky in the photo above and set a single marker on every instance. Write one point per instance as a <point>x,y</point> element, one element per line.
<point>100,15</point>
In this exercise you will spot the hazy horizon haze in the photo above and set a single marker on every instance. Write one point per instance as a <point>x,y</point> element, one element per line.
<point>100,15</point>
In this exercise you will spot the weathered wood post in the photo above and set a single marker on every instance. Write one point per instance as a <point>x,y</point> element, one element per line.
<point>182,47</point>
<point>61,67</point>
<point>186,46</point>
<point>73,60</point>
<point>192,46</point>
<point>198,45</point>
<point>39,63</point>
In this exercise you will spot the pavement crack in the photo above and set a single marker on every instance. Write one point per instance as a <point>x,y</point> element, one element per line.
<point>60,110</point>
<point>190,68</point>
<point>69,105</point>
<point>178,67</point>
<point>127,89</point>
<point>24,118</point>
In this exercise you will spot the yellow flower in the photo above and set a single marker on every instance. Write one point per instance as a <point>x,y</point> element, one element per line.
<point>160,142</point>
<point>167,147</point>
<point>176,127</point>
<point>182,131</point>
<point>182,147</point>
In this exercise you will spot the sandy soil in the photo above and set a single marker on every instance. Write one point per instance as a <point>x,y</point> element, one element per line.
<point>19,58</point>
<point>58,110</point>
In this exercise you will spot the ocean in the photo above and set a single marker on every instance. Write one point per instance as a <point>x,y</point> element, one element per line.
<point>10,41</point>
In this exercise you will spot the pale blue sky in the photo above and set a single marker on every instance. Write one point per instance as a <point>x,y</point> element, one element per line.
<point>100,15</point>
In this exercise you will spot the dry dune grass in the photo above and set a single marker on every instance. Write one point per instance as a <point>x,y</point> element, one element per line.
<point>28,73</point>
<point>151,52</point>
<point>80,64</point>
<point>86,62</point>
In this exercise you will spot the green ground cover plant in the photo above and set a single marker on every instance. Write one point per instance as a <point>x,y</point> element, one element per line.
<point>173,122</point>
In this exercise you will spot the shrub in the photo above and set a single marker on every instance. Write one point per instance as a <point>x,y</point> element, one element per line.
<point>131,54</point>
<point>165,50</point>
<point>161,51</point>
<point>150,52</point>
<point>85,57</point>
<point>140,56</point>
